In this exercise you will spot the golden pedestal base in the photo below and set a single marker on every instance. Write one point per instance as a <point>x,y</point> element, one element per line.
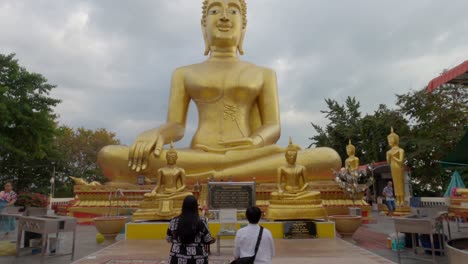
<point>158,209</point>
<point>295,210</point>
<point>402,210</point>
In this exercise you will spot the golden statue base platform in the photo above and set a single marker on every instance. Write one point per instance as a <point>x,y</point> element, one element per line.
<point>295,210</point>
<point>159,209</point>
<point>401,210</point>
<point>459,204</point>
<point>93,201</point>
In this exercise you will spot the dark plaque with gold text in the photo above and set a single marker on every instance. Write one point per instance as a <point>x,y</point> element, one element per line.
<point>299,229</point>
<point>231,195</point>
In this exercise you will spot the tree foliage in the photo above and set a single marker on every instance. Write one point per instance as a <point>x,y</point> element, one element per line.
<point>368,133</point>
<point>27,124</point>
<point>32,146</point>
<point>438,121</point>
<point>429,126</point>
<point>78,149</point>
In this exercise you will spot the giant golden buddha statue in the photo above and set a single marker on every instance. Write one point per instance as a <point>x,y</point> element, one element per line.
<point>395,158</point>
<point>238,111</point>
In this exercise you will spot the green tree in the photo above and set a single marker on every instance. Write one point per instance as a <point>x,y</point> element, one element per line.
<point>368,134</point>
<point>343,125</point>
<point>373,132</point>
<point>78,150</point>
<point>27,125</point>
<point>438,121</point>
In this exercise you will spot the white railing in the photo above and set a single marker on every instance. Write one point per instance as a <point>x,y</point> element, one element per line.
<point>60,201</point>
<point>435,201</point>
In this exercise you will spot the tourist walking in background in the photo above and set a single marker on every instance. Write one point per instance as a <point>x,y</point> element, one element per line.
<point>246,239</point>
<point>188,235</point>
<point>7,198</point>
<point>389,197</point>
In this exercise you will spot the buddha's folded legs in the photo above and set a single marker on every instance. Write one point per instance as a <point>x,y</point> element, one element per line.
<point>241,165</point>
<point>319,163</point>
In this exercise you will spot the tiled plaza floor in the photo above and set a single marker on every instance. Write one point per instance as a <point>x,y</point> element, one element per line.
<point>287,251</point>
<point>369,246</point>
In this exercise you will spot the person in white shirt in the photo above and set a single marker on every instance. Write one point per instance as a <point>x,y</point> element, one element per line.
<point>389,197</point>
<point>246,239</point>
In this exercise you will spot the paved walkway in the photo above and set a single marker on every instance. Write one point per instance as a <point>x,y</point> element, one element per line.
<point>369,246</point>
<point>287,251</point>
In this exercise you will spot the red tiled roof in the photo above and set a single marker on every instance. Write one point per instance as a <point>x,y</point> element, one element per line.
<point>457,75</point>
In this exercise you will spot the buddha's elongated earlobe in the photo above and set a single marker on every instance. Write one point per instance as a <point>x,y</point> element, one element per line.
<point>205,38</point>
<point>240,47</point>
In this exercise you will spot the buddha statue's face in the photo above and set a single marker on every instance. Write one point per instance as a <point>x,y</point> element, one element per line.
<point>223,26</point>
<point>350,151</point>
<point>171,158</point>
<point>291,156</point>
<point>392,141</point>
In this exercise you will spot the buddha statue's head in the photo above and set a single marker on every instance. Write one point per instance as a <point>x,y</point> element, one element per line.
<point>393,138</point>
<point>350,149</point>
<point>291,152</point>
<point>171,155</point>
<point>223,24</point>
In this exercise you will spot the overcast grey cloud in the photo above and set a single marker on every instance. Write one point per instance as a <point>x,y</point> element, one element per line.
<point>112,60</point>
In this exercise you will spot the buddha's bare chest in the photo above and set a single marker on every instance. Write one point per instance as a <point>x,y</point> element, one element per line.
<point>169,175</point>
<point>229,83</point>
<point>291,174</point>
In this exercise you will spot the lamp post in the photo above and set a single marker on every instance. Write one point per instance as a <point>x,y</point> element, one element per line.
<point>52,186</point>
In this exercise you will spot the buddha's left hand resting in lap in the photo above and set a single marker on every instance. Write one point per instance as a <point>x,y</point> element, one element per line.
<point>238,111</point>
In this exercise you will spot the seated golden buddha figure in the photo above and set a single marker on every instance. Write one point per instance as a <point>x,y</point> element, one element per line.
<point>170,183</point>
<point>294,200</point>
<point>238,112</point>
<point>165,200</point>
<point>292,176</point>
<point>352,162</point>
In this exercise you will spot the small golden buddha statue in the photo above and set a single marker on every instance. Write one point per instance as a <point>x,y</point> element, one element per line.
<point>352,162</point>
<point>165,200</point>
<point>238,112</point>
<point>293,200</point>
<point>170,183</point>
<point>395,158</point>
<point>293,177</point>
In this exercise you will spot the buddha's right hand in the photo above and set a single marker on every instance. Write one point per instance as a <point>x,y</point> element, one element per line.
<point>146,143</point>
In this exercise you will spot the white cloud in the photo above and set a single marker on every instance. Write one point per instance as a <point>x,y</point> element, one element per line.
<point>112,60</point>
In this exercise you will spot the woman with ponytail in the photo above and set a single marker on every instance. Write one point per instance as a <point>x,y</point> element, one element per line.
<point>188,235</point>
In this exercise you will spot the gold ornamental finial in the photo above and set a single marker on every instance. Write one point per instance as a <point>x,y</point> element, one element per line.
<point>393,135</point>
<point>351,146</point>
<point>292,146</point>
<point>172,149</point>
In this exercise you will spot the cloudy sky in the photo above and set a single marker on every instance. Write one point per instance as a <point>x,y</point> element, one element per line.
<point>112,60</point>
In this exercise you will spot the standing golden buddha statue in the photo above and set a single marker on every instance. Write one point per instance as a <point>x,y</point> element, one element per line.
<point>352,162</point>
<point>238,112</point>
<point>395,158</point>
